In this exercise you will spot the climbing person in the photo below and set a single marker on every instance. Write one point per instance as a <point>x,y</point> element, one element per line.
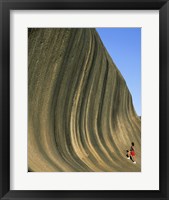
<point>131,154</point>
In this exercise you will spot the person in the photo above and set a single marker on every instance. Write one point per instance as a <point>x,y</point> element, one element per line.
<point>131,154</point>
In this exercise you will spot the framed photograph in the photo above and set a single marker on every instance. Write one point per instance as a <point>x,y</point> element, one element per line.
<point>84,99</point>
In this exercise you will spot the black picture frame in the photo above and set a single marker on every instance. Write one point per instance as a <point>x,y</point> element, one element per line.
<point>5,7</point>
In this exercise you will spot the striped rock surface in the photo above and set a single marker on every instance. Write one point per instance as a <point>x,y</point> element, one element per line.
<point>81,116</point>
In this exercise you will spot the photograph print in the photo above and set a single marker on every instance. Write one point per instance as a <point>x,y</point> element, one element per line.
<point>84,99</point>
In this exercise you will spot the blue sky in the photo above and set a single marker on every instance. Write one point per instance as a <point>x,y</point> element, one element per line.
<point>124,46</point>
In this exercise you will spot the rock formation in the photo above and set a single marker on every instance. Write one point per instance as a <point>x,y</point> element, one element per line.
<point>81,116</point>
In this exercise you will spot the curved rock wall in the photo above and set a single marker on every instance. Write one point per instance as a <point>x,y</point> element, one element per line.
<point>81,116</point>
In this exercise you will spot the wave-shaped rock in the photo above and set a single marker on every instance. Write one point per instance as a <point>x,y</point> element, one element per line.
<point>81,116</point>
